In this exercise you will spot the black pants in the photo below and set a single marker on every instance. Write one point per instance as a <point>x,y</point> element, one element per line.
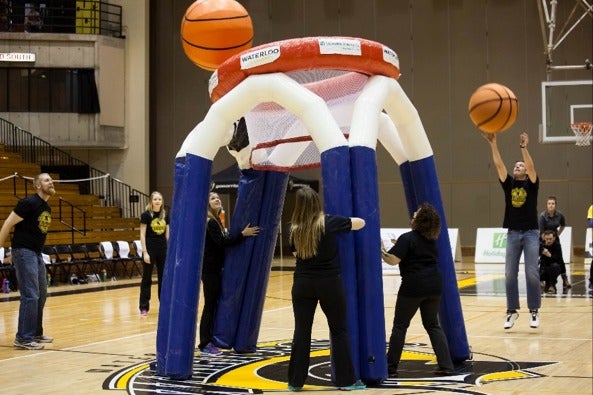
<point>549,273</point>
<point>329,292</point>
<point>405,309</point>
<point>157,258</point>
<point>212,286</point>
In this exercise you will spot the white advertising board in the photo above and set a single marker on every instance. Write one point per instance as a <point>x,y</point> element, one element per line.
<point>491,245</point>
<point>387,234</point>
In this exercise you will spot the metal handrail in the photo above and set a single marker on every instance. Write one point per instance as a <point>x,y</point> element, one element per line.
<point>111,191</point>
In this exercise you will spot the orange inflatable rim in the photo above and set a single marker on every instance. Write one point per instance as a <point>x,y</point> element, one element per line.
<point>309,53</point>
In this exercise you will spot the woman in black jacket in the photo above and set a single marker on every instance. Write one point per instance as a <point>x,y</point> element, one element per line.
<point>217,239</point>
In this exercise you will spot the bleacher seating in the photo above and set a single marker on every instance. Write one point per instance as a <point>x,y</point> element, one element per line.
<point>67,252</point>
<point>101,222</point>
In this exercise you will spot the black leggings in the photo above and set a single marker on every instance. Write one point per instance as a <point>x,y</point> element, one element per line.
<point>212,286</point>
<point>157,258</point>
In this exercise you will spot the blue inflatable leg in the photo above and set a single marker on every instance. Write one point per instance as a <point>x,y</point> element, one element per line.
<point>187,269</point>
<point>249,198</point>
<point>162,334</point>
<point>337,199</point>
<point>371,313</point>
<point>270,213</point>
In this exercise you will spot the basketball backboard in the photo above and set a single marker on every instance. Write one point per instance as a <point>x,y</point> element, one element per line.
<point>563,103</point>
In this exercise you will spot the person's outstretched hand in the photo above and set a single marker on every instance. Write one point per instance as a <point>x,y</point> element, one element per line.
<point>250,230</point>
<point>524,139</point>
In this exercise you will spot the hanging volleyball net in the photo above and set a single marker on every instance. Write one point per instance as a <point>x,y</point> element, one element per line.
<point>310,102</point>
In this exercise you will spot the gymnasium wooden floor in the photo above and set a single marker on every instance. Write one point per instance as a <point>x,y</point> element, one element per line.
<point>103,346</point>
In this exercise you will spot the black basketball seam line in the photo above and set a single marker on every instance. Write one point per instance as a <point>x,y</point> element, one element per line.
<point>227,18</point>
<point>511,103</point>
<point>482,102</point>
<point>492,116</point>
<point>511,100</point>
<point>216,49</point>
<point>498,112</point>
<point>489,100</point>
<point>500,100</point>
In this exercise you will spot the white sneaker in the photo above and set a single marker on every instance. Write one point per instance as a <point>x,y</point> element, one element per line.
<point>511,318</point>
<point>534,323</point>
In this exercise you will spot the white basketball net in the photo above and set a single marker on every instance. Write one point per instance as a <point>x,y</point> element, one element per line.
<point>582,132</point>
<point>278,138</point>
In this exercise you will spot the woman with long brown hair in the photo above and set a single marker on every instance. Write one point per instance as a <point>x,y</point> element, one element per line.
<point>217,240</point>
<point>317,280</point>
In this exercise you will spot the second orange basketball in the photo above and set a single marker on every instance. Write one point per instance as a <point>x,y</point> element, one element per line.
<point>214,30</point>
<point>493,108</point>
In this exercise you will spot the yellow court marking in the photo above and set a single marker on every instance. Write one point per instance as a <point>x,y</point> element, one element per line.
<point>122,382</point>
<point>245,374</point>
<point>468,282</point>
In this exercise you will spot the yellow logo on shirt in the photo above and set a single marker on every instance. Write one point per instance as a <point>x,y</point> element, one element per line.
<point>44,221</point>
<point>518,197</point>
<point>158,226</point>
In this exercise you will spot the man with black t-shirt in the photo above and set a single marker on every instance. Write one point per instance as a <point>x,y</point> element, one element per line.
<point>521,220</point>
<point>31,219</point>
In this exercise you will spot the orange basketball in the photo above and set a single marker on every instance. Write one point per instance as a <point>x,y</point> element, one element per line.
<point>493,108</point>
<point>214,30</point>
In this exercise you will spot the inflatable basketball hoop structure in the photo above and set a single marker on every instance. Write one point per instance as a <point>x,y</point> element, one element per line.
<point>320,101</point>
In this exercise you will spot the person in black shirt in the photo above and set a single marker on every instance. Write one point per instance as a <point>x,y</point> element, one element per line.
<point>550,261</point>
<point>31,219</point>
<point>154,234</point>
<point>217,240</point>
<point>317,280</point>
<point>552,219</point>
<point>421,288</point>
<point>521,220</point>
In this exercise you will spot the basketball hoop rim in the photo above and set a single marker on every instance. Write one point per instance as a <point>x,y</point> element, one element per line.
<point>304,54</point>
<point>580,127</point>
<point>582,132</point>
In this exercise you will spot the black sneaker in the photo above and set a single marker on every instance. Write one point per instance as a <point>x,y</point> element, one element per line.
<point>443,372</point>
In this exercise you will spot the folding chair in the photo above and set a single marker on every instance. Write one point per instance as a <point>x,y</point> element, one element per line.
<point>64,258</point>
<point>79,259</point>
<point>109,258</point>
<point>136,255</point>
<point>52,264</point>
<point>138,247</point>
<point>122,248</point>
<point>94,255</point>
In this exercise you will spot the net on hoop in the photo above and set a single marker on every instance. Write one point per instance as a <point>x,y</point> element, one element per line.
<point>582,132</point>
<point>280,141</point>
<point>335,69</point>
